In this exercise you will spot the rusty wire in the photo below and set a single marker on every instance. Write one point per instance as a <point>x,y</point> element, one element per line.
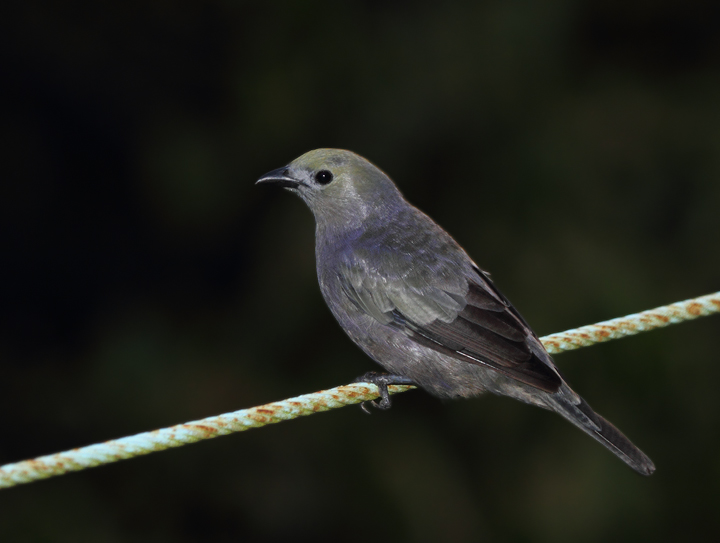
<point>255,417</point>
<point>184,434</point>
<point>632,324</point>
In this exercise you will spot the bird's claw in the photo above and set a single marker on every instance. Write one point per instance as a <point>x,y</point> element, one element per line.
<point>381,380</point>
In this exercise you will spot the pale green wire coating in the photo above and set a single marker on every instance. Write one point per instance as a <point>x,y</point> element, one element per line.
<point>632,324</point>
<point>182,434</point>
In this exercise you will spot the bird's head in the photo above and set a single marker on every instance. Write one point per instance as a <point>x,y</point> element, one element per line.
<point>342,189</point>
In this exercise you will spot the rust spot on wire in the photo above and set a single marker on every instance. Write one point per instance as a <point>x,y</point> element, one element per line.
<point>353,394</point>
<point>206,429</point>
<point>695,309</point>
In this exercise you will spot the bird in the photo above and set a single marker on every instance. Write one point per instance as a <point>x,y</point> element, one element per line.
<point>413,300</point>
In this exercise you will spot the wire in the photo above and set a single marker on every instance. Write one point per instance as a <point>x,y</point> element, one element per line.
<point>308,404</point>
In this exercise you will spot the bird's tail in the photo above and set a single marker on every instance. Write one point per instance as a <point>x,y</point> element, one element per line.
<point>565,402</point>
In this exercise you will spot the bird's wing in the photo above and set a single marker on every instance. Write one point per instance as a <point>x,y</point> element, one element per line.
<point>458,314</point>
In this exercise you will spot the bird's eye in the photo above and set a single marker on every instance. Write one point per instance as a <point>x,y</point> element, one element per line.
<point>323,177</point>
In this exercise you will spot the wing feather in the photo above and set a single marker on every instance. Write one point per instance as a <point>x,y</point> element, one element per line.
<point>465,317</point>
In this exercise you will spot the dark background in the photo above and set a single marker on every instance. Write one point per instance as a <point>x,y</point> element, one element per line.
<point>573,148</point>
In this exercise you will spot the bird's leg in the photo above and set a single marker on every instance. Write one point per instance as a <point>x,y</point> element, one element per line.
<point>382,380</point>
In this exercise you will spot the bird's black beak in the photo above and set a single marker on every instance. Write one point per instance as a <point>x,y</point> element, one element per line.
<point>280,177</point>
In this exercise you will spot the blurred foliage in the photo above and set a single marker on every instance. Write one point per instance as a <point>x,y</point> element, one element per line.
<point>572,147</point>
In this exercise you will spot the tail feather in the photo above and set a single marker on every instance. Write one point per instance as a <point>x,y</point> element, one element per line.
<point>582,416</point>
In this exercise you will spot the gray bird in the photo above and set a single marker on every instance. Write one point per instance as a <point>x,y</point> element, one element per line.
<point>410,297</point>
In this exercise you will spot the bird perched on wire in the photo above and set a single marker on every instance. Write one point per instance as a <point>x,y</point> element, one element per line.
<point>410,297</point>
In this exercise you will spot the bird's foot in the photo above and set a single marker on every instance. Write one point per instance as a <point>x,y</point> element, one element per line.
<point>381,380</point>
